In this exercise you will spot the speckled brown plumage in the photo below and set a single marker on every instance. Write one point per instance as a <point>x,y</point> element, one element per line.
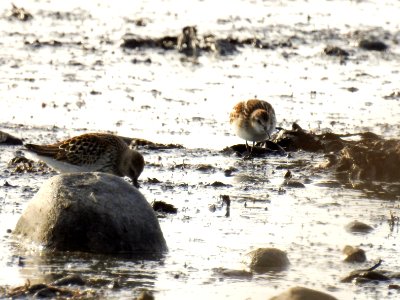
<point>92,152</point>
<point>253,120</point>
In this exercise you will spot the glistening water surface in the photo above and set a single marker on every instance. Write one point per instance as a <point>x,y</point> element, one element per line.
<point>64,73</point>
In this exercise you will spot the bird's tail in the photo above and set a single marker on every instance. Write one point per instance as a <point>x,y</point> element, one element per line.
<point>45,150</point>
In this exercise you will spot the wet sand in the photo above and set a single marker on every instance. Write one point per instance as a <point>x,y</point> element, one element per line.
<point>66,71</point>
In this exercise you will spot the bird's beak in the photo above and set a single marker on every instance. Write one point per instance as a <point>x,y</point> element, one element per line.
<point>135,183</point>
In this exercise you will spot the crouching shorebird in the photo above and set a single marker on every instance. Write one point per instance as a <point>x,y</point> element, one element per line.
<point>92,152</point>
<point>253,120</point>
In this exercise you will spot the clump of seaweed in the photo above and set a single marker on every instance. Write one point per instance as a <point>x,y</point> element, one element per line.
<point>41,290</point>
<point>21,164</point>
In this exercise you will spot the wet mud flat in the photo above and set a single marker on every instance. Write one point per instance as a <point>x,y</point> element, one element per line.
<point>329,201</point>
<point>229,198</point>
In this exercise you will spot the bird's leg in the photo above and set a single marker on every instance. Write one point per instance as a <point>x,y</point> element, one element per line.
<point>251,152</point>
<point>247,147</point>
<point>248,156</point>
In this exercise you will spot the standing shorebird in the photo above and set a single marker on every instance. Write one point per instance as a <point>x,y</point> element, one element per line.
<point>253,120</point>
<point>92,152</point>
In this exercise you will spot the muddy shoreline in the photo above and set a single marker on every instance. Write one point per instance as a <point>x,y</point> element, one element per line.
<point>338,164</point>
<point>323,195</point>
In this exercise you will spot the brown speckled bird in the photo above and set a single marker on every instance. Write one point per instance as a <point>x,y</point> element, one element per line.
<point>92,152</point>
<point>253,120</point>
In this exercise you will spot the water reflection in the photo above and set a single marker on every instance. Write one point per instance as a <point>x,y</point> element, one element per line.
<point>100,271</point>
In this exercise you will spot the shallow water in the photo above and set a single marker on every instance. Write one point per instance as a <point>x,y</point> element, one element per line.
<point>89,83</point>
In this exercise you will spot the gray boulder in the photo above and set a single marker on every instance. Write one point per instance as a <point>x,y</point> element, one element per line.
<point>91,212</point>
<point>302,293</point>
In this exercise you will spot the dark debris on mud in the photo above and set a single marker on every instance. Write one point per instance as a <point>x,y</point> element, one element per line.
<point>37,43</point>
<point>335,51</point>
<point>260,150</point>
<point>370,275</point>
<point>190,43</point>
<point>19,13</point>
<point>369,157</point>
<point>21,164</point>
<point>64,288</point>
<point>393,96</point>
<point>141,143</point>
<point>373,45</point>
<point>163,207</point>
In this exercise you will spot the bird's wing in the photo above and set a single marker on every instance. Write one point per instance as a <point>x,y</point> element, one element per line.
<point>85,149</point>
<point>81,150</point>
<point>44,150</point>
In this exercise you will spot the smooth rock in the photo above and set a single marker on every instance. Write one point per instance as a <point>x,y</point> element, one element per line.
<point>8,139</point>
<point>302,293</point>
<point>358,227</point>
<point>373,45</point>
<point>354,254</point>
<point>268,259</point>
<point>91,212</point>
<point>145,295</point>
